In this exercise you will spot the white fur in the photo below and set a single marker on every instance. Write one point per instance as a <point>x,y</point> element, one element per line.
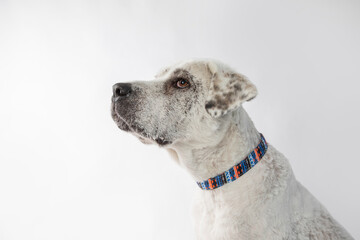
<point>265,203</point>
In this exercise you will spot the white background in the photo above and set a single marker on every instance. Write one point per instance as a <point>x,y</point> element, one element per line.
<point>67,172</point>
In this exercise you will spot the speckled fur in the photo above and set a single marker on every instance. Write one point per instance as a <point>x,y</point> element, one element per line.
<point>207,131</point>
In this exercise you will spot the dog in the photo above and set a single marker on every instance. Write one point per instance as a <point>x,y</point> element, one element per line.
<point>247,189</point>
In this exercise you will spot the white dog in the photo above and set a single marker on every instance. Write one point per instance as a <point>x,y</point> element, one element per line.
<point>247,188</point>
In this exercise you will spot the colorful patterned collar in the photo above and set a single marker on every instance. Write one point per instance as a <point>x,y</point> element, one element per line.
<point>238,170</point>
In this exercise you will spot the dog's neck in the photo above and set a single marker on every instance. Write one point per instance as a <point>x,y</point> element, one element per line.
<point>228,145</point>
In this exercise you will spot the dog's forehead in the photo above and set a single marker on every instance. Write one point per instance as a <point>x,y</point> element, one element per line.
<point>199,69</point>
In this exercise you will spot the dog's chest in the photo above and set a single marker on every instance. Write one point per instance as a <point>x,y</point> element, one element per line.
<point>230,216</point>
<point>216,220</point>
<point>245,209</point>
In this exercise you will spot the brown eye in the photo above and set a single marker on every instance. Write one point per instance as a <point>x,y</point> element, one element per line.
<point>182,83</point>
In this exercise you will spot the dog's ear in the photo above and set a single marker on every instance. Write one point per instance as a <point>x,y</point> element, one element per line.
<point>228,90</point>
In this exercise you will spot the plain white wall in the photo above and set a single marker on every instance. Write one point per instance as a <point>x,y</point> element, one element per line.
<point>67,172</point>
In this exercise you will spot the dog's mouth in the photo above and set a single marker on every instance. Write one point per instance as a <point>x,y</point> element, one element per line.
<point>118,120</point>
<point>136,129</point>
<point>123,124</point>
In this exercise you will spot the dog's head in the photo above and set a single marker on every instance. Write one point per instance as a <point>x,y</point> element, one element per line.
<point>185,99</point>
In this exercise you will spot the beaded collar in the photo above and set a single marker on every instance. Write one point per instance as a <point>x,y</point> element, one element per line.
<point>238,170</point>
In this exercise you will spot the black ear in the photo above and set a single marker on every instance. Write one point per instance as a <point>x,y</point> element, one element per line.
<point>228,90</point>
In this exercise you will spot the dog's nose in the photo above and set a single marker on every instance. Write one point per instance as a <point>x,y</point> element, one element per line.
<point>121,89</point>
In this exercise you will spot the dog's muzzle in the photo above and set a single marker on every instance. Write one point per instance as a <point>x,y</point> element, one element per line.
<point>121,92</point>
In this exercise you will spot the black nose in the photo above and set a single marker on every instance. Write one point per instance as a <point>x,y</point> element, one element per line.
<point>121,89</point>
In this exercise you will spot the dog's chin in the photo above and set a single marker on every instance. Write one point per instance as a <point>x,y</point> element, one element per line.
<point>139,132</point>
<point>159,141</point>
<point>147,139</point>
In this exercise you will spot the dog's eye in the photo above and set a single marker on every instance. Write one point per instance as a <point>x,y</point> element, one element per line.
<point>182,83</point>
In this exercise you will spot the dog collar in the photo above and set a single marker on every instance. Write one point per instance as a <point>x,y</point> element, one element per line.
<point>238,170</point>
